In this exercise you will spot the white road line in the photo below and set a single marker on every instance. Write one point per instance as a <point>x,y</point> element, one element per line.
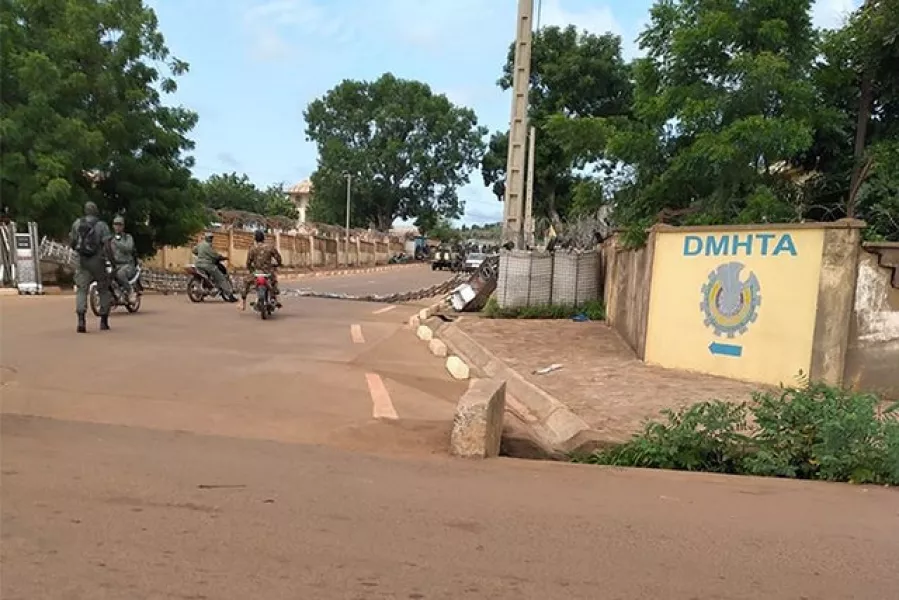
<point>356,333</point>
<point>383,310</point>
<point>382,406</point>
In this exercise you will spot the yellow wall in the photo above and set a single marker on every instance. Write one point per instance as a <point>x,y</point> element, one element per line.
<point>777,341</point>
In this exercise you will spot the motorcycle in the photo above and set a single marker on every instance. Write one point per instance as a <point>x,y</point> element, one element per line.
<point>265,303</point>
<point>200,286</point>
<point>118,297</point>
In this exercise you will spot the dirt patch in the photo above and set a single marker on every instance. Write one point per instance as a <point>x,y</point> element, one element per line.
<point>601,380</point>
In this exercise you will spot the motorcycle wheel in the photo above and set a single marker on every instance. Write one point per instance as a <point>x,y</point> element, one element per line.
<point>262,302</point>
<point>195,289</point>
<point>93,299</point>
<point>133,307</point>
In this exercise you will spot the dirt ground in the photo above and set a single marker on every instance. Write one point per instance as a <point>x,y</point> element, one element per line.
<point>600,378</point>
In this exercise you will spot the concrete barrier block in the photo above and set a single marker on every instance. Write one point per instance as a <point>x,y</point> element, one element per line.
<point>457,367</point>
<point>437,348</point>
<point>424,333</point>
<point>424,314</point>
<point>414,321</point>
<point>478,422</point>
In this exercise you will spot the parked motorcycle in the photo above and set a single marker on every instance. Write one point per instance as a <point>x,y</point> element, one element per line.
<point>200,286</point>
<point>118,296</point>
<point>265,303</point>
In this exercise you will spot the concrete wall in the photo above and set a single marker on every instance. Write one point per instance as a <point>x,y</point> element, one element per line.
<point>872,357</point>
<point>812,299</point>
<point>298,251</point>
<point>626,290</point>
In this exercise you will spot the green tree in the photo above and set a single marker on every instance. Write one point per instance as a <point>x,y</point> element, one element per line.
<point>230,191</point>
<point>572,73</point>
<point>83,119</point>
<point>722,99</point>
<point>407,149</point>
<point>856,144</point>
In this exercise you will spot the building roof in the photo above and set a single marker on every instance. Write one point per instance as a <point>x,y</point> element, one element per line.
<point>303,187</point>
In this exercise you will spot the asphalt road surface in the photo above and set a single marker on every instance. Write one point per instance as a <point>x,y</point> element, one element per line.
<point>403,279</point>
<point>194,452</point>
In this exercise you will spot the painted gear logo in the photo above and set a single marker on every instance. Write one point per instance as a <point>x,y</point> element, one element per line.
<point>729,304</point>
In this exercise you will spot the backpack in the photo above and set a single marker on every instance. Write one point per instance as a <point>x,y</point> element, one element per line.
<point>87,242</point>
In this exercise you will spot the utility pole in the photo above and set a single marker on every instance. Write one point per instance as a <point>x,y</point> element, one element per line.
<point>529,194</point>
<point>346,246</point>
<point>518,126</point>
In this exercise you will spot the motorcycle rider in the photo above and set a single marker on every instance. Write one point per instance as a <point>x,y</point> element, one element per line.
<point>261,258</point>
<point>207,262</point>
<point>121,253</point>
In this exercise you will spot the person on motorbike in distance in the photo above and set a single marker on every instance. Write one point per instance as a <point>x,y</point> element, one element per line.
<point>207,262</point>
<point>261,258</point>
<point>121,253</point>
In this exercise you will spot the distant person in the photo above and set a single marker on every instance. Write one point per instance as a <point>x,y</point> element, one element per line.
<point>261,258</point>
<point>89,238</point>
<point>208,262</point>
<point>122,255</point>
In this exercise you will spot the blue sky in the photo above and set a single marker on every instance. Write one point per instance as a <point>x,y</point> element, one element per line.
<point>256,64</point>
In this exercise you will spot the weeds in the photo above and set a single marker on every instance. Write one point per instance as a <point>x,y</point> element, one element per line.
<point>593,309</point>
<point>814,432</point>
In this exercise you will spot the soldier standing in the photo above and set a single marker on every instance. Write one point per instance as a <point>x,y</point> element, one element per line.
<point>90,237</point>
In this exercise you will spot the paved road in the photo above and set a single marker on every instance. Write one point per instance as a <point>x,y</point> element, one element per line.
<point>194,452</point>
<point>403,279</point>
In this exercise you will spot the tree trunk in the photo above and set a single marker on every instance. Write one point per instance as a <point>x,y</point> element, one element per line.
<point>865,100</point>
<point>551,209</point>
<point>861,167</point>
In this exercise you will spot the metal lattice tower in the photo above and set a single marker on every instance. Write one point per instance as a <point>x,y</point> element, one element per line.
<point>513,222</point>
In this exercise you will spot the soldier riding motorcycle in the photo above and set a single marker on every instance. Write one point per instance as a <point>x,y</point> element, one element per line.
<point>208,276</point>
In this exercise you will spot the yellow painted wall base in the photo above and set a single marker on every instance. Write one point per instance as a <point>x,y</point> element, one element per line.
<point>739,304</point>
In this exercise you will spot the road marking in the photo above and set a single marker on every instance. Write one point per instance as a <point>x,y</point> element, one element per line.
<point>356,333</point>
<point>382,406</point>
<point>384,310</point>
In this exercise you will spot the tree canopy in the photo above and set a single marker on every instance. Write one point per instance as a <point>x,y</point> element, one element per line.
<point>406,149</point>
<point>743,112</point>
<point>231,191</point>
<point>82,89</point>
<point>576,74</point>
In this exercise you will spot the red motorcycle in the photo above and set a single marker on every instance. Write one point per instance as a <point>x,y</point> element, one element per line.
<point>265,303</point>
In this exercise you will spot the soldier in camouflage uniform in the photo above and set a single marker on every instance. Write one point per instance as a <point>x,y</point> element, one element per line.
<point>122,254</point>
<point>207,262</point>
<point>261,258</point>
<point>90,239</point>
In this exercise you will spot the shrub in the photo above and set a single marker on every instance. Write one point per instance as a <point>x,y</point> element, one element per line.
<point>593,309</point>
<point>813,432</point>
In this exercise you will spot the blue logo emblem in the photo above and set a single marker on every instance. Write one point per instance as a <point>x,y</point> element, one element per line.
<point>728,303</point>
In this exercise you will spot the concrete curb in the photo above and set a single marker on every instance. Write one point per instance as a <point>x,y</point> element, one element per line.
<point>554,427</point>
<point>478,420</point>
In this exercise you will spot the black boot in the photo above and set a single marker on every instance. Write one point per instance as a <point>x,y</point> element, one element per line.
<point>82,326</point>
<point>104,322</point>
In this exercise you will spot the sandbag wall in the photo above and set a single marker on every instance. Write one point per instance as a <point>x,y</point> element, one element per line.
<point>534,278</point>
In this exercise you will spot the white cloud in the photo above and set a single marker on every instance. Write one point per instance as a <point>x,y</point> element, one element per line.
<point>598,19</point>
<point>831,14</point>
<point>274,26</point>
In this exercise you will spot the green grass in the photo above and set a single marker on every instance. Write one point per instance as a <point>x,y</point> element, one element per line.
<point>593,309</point>
<point>812,432</point>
